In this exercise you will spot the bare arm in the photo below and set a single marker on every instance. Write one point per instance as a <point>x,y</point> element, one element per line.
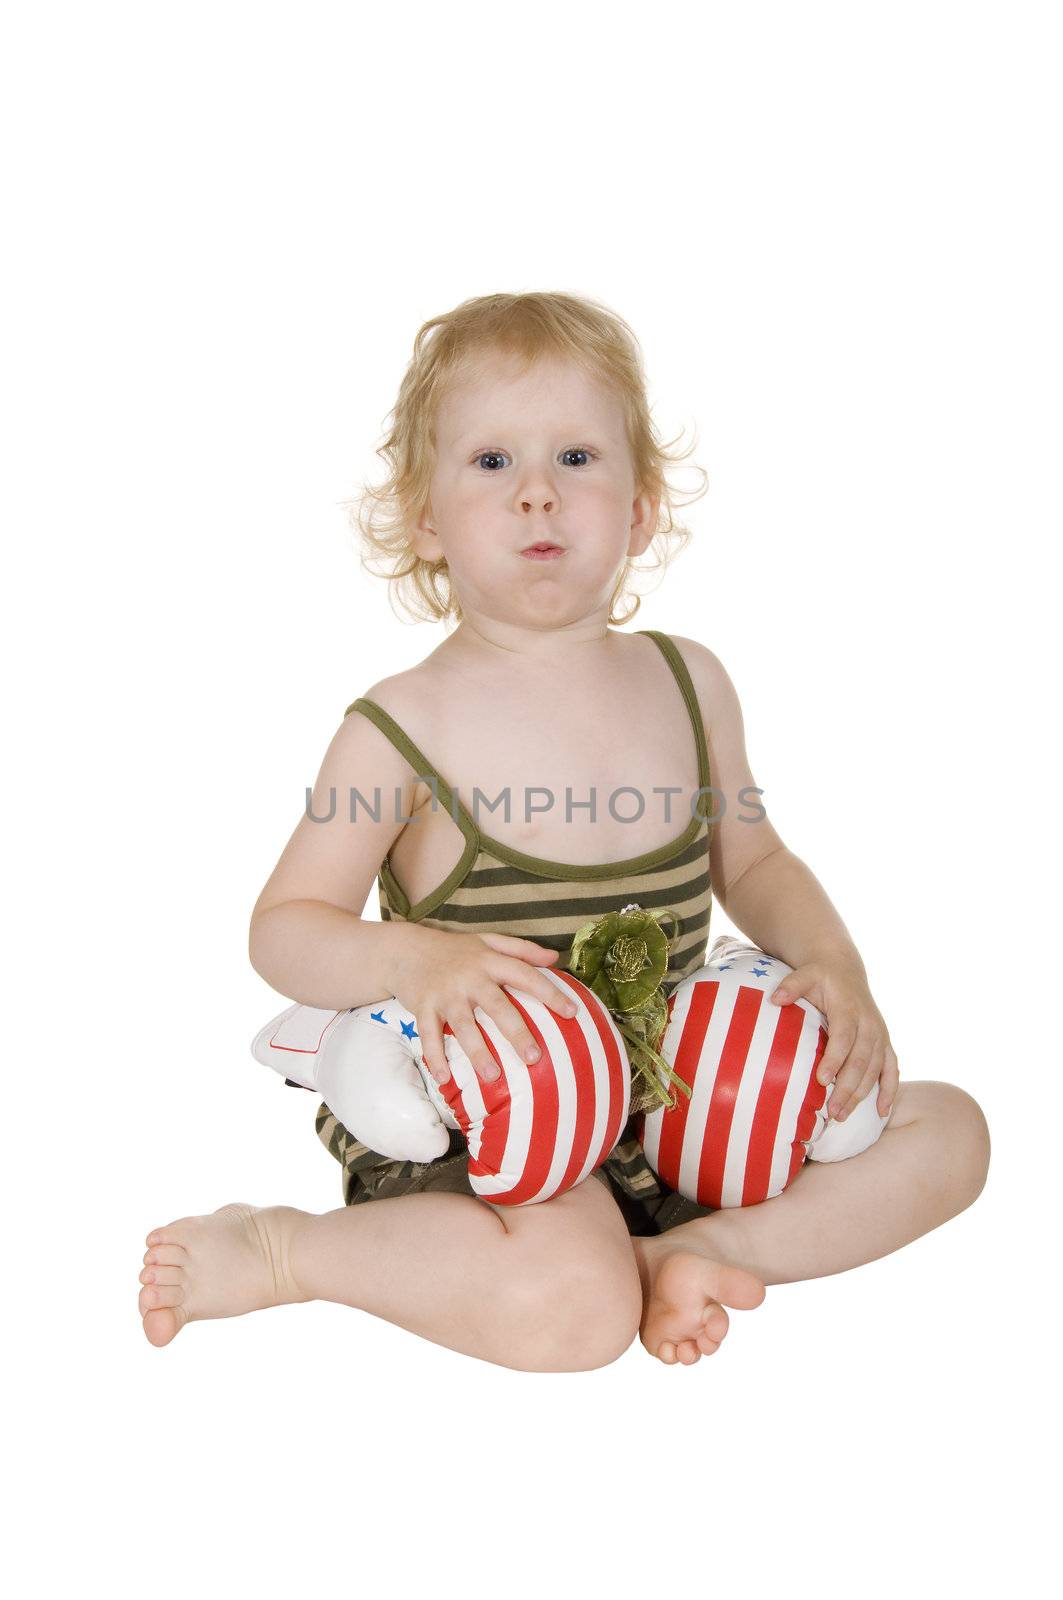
<point>307,937</point>
<point>783,908</point>
<point>324,956</point>
<point>766,890</point>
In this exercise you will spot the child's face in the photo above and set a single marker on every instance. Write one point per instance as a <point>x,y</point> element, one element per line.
<point>543,457</point>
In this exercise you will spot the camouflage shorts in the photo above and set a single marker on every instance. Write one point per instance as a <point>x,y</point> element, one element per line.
<point>647,1204</point>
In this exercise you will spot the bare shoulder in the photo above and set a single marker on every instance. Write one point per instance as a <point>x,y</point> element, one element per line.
<point>411,699</point>
<point>326,858</point>
<point>721,712</point>
<point>708,674</point>
<point>405,692</point>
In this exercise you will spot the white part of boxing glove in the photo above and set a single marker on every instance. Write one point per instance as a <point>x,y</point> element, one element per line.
<point>837,1141</point>
<point>366,1065</point>
<point>534,1132</point>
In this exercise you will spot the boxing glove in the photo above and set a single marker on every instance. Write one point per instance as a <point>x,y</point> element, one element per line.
<point>756,1109</point>
<point>535,1131</point>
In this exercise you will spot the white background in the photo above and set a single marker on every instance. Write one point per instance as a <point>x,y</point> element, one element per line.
<point>833,228</point>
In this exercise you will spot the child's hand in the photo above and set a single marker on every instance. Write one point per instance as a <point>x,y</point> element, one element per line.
<point>858,1048</point>
<point>459,971</point>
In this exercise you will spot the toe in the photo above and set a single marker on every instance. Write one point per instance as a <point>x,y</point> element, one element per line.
<point>153,1295</point>
<point>666,1352</point>
<point>167,1255</point>
<point>706,1345</point>
<point>160,1326</point>
<point>740,1288</point>
<point>171,1233</point>
<point>688,1352</point>
<point>716,1323</point>
<point>168,1275</point>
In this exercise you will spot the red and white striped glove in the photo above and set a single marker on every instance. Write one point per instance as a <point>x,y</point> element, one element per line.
<point>756,1111</point>
<point>536,1131</point>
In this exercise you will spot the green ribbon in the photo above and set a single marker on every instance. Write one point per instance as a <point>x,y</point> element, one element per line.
<point>623,959</point>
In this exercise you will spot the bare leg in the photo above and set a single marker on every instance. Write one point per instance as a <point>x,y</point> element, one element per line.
<point>929,1163</point>
<point>550,1287</point>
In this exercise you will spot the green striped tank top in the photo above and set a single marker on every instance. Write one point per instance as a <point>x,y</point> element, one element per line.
<point>495,889</point>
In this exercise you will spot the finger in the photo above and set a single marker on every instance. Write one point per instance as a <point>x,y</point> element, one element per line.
<point>851,1076</point>
<point>867,1082</point>
<point>792,986</point>
<point>432,1051</point>
<point>561,1002</point>
<point>466,1030</point>
<point>840,1041</point>
<point>527,949</point>
<point>557,996</point>
<point>509,1021</point>
<point>888,1083</point>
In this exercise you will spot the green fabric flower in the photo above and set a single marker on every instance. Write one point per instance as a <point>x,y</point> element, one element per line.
<point>623,959</point>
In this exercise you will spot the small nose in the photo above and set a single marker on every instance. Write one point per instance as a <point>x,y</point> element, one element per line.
<point>537,489</point>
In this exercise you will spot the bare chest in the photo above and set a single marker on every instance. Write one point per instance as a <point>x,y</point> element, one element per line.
<point>550,774</point>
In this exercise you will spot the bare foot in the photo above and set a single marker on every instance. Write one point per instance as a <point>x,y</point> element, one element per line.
<point>684,1293</point>
<point>222,1265</point>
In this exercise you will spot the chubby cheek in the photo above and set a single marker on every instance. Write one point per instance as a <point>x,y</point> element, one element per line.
<point>474,504</point>
<point>605,507</point>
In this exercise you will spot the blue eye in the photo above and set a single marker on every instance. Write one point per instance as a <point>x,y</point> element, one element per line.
<point>576,450</point>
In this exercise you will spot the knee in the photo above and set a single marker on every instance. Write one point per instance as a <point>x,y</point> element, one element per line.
<point>976,1142</point>
<point>966,1134</point>
<point>609,1315</point>
<point>582,1315</point>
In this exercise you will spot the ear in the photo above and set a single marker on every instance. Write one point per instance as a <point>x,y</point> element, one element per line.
<point>644,514</point>
<point>424,539</point>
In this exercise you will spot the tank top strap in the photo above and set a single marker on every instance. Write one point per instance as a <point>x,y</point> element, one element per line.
<point>681,671</point>
<point>420,763</point>
<point>424,769</point>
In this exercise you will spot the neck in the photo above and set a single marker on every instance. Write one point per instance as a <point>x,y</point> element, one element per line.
<point>562,648</point>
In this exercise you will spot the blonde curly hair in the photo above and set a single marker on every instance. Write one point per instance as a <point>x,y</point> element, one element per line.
<point>524,328</point>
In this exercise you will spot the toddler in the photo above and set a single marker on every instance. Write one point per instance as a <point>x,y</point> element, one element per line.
<point>526,480</point>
